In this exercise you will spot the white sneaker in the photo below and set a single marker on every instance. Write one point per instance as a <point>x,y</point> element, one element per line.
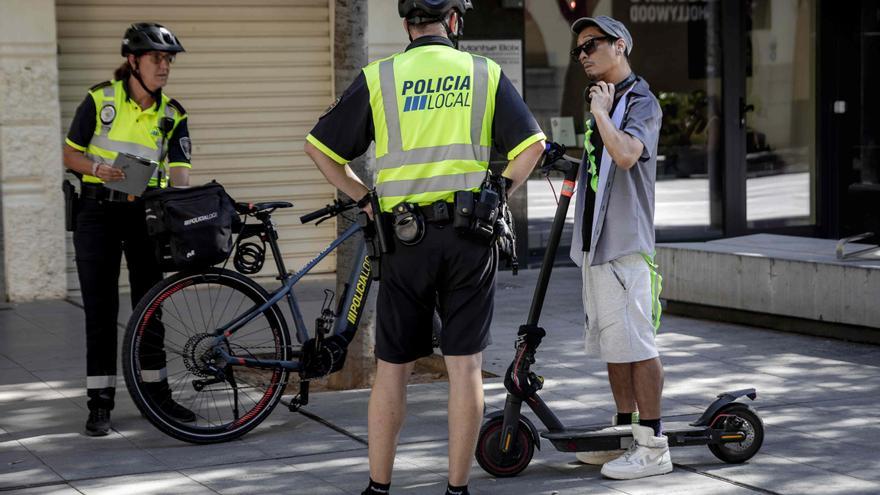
<point>599,457</point>
<point>647,456</point>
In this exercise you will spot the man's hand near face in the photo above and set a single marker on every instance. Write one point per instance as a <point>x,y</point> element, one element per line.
<point>601,98</point>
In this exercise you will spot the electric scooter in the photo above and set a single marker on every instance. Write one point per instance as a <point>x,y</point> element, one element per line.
<point>732,430</point>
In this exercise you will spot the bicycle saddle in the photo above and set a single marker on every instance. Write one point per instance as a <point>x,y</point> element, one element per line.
<point>258,207</point>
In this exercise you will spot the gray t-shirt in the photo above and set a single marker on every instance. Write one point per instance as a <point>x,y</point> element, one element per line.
<point>624,212</point>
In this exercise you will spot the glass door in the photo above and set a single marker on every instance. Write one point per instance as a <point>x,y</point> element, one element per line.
<point>780,113</point>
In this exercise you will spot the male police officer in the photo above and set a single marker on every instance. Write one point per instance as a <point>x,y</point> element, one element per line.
<point>614,241</point>
<point>433,112</point>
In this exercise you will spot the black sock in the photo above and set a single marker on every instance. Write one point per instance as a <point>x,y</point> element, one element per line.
<point>624,418</point>
<point>376,488</point>
<point>457,490</point>
<point>655,424</point>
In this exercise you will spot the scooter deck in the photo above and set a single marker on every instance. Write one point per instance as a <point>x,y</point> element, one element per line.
<point>680,433</point>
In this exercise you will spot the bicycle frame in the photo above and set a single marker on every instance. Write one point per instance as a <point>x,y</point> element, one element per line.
<point>347,321</point>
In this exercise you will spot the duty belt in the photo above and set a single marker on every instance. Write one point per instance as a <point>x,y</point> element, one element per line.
<point>98,192</point>
<point>438,212</point>
<point>433,213</point>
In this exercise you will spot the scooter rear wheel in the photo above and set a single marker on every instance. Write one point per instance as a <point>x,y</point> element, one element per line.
<point>738,417</point>
<point>490,457</point>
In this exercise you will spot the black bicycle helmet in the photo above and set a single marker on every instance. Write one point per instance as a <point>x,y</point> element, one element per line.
<point>146,36</point>
<point>436,9</point>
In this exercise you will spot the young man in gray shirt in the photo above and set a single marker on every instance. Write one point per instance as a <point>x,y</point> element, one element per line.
<point>613,242</point>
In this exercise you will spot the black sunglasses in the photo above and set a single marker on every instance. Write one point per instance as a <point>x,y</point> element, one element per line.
<point>589,47</point>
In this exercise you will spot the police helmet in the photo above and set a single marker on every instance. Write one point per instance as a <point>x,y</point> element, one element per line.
<point>432,8</point>
<point>146,36</point>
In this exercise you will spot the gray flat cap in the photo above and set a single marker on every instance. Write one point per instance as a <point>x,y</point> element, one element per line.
<point>608,25</point>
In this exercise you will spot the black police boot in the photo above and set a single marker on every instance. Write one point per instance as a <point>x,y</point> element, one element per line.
<point>161,395</point>
<point>98,424</point>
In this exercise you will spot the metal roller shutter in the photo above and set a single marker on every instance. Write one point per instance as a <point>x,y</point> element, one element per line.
<point>254,79</point>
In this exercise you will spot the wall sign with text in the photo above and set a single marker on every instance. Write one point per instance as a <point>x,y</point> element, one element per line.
<point>507,53</point>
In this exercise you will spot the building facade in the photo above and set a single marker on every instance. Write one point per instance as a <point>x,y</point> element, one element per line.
<point>766,104</point>
<point>253,81</point>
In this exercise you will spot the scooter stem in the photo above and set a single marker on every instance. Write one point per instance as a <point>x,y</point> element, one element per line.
<point>568,185</point>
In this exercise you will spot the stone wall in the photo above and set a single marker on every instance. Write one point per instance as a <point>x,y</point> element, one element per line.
<point>778,275</point>
<point>30,153</point>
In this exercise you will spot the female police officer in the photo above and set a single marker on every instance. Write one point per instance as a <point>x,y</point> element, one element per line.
<point>127,114</point>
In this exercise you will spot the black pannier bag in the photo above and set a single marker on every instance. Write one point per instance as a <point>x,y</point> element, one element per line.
<point>191,227</point>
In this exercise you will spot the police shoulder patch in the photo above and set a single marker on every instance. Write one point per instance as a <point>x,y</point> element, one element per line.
<point>186,147</point>
<point>177,106</point>
<point>331,107</point>
<point>100,85</point>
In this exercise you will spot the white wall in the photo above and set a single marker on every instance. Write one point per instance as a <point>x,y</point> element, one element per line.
<point>385,34</point>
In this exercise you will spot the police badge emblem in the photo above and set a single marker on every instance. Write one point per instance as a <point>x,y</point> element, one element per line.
<point>186,147</point>
<point>331,107</point>
<point>108,113</point>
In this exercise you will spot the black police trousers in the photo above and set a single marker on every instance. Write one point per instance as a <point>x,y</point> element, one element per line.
<point>104,231</point>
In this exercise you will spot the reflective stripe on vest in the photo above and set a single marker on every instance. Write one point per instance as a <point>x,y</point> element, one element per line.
<point>109,95</point>
<point>426,173</point>
<point>103,148</point>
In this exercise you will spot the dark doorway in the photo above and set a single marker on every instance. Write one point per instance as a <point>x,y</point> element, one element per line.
<point>860,162</point>
<point>851,134</point>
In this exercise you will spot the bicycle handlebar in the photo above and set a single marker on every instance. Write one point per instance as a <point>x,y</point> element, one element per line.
<point>332,210</point>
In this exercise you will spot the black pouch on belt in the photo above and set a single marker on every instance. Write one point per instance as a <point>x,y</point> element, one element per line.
<point>71,205</point>
<point>485,213</point>
<point>373,242</point>
<point>408,223</point>
<point>464,211</point>
<point>382,232</point>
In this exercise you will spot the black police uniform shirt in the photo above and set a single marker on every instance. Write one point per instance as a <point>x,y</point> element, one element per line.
<point>82,129</point>
<point>347,129</point>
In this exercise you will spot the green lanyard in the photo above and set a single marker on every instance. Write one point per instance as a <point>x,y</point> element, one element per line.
<point>656,288</point>
<point>591,155</point>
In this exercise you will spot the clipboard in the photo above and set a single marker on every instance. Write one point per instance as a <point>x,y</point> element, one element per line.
<point>138,172</point>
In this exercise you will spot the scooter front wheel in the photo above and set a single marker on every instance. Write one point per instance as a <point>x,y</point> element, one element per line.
<point>490,457</point>
<point>738,417</point>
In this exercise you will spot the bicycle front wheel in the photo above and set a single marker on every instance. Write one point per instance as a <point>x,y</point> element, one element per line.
<point>168,358</point>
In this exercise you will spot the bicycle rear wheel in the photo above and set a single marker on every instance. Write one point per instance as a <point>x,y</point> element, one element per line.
<point>167,358</point>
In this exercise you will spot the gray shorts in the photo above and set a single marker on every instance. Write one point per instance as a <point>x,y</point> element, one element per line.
<point>617,302</point>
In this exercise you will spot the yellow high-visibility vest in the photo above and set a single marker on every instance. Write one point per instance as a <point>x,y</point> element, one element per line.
<point>123,127</point>
<point>432,110</point>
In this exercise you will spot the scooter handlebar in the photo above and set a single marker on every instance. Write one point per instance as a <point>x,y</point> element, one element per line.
<point>556,159</point>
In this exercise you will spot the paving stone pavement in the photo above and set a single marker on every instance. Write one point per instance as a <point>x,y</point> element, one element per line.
<point>817,398</point>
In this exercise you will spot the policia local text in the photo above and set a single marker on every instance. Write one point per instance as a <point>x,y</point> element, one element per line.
<point>442,92</point>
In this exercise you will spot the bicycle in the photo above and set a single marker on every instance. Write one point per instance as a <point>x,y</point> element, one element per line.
<point>221,342</point>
